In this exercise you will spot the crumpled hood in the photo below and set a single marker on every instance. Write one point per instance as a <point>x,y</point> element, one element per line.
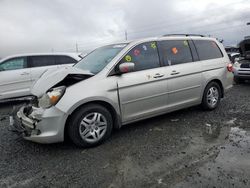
<point>53,76</point>
<point>244,47</point>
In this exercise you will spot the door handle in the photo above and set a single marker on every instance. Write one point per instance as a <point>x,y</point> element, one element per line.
<point>158,75</point>
<point>175,72</point>
<point>24,73</point>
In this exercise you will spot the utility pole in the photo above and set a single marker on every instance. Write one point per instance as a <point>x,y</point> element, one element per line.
<point>76,47</point>
<point>126,35</point>
<point>247,37</point>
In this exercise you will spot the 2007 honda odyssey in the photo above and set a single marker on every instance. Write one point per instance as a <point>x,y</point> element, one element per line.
<point>123,83</point>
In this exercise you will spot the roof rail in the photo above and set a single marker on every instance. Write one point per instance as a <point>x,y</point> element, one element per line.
<point>187,35</point>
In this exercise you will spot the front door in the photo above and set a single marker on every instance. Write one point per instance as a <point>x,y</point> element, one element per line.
<point>15,78</point>
<point>144,92</point>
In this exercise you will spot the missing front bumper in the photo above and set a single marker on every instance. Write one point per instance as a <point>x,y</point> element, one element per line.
<point>41,125</point>
<point>26,121</point>
<point>24,124</point>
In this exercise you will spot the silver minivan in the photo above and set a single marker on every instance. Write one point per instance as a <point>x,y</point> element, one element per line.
<point>123,83</point>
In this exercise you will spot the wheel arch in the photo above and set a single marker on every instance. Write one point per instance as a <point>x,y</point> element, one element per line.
<point>115,116</point>
<point>219,83</point>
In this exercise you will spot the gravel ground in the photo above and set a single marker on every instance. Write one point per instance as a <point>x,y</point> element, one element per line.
<point>187,148</point>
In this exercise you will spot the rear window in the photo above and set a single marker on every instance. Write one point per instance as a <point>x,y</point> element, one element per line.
<point>65,60</point>
<point>39,61</point>
<point>207,49</point>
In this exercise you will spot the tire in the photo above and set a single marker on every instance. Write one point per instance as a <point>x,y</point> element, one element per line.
<point>238,80</point>
<point>90,125</point>
<point>212,96</point>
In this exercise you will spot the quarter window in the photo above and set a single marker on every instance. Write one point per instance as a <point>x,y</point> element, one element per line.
<point>175,52</point>
<point>65,60</point>
<point>144,56</point>
<point>14,64</point>
<point>207,49</point>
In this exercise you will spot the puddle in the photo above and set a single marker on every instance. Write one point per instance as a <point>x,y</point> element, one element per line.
<point>231,167</point>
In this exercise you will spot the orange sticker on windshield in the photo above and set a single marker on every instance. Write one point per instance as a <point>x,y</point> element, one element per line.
<point>174,50</point>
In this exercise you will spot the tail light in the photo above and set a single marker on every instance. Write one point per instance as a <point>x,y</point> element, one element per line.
<point>230,67</point>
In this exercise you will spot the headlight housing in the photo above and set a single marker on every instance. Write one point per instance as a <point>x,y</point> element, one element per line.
<point>236,64</point>
<point>51,97</point>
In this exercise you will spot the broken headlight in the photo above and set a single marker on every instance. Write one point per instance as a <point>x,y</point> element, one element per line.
<point>51,97</point>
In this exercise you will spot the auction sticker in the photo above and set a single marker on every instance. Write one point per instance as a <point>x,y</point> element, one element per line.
<point>128,58</point>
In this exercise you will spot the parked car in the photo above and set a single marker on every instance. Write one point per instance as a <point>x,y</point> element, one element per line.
<point>241,68</point>
<point>233,57</point>
<point>124,83</point>
<point>18,73</point>
<point>232,49</point>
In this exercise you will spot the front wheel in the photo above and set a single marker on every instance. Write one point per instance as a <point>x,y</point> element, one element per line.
<point>212,96</point>
<point>90,125</point>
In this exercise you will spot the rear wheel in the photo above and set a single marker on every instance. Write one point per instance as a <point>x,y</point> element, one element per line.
<point>90,125</point>
<point>212,96</point>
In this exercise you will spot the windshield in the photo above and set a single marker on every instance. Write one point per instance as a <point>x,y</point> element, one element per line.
<point>99,58</point>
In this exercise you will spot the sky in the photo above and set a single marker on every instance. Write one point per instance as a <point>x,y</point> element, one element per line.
<point>67,25</point>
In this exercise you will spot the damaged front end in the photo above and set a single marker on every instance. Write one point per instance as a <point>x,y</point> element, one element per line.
<point>65,76</point>
<point>41,121</point>
<point>28,118</point>
<point>41,125</point>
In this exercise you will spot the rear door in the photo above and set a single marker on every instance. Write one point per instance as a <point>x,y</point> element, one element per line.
<point>183,72</point>
<point>15,80</point>
<point>144,92</point>
<point>40,64</point>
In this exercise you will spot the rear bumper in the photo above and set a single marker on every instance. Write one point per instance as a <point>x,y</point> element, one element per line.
<point>42,125</point>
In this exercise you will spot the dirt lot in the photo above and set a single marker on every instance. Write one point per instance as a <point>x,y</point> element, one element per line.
<point>188,148</point>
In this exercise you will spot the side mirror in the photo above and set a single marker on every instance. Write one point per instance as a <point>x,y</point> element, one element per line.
<point>126,67</point>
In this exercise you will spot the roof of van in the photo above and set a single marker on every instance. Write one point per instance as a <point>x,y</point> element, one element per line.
<point>165,37</point>
<point>73,55</point>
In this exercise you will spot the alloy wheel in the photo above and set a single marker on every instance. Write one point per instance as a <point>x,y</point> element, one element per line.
<point>212,96</point>
<point>93,127</point>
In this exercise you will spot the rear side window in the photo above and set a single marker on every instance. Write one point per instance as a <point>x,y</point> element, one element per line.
<point>144,56</point>
<point>207,49</point>
<point>65,60</point>
<point>39,61</point>
<point>175,52</point>
<point>14,64</point>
